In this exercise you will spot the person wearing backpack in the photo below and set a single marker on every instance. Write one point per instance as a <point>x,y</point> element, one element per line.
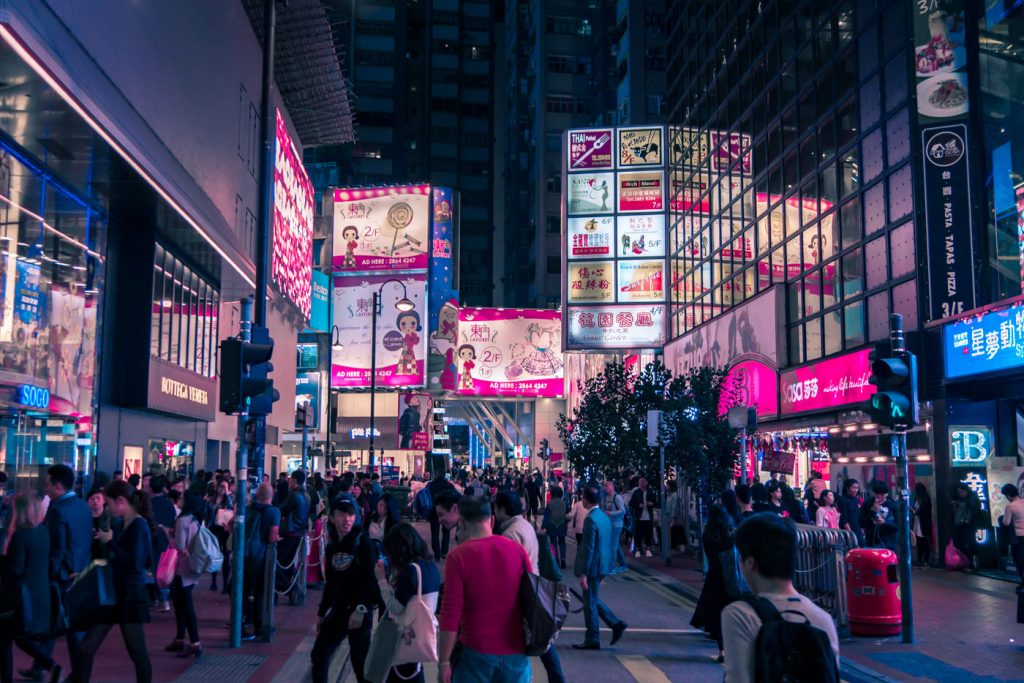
<point>262,528</point>
<point>777,634</point>
<point>186,528</point>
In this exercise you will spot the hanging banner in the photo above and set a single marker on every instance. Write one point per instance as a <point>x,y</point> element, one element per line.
<point>590,149</point>
<point>510,352</point>
<point>616,327</point>
<point>382,228</point>
<point>401,339</point>
<point>291,263</point>
<point>590,237</point>
<point>415,421</point>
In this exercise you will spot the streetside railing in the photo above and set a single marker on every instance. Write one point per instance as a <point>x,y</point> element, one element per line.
<point>821,569</point>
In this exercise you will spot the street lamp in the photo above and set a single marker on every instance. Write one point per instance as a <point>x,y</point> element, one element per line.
<point>403,305</point>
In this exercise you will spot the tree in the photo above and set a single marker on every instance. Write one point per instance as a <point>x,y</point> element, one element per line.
<point>607,431</point>
<point>697,436</point>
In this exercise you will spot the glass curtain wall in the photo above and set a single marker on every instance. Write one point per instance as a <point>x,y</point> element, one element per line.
<point>184,319</point>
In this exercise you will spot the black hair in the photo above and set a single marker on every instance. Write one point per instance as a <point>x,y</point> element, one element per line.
<point>157,483</point>
<point>194,505</point>
<point>409,314</point>
<point>759,493</point>
<point>771,541</point>
<point>847,484</point>
<point>403,545</point>
<point>821,498</point>
<point>300,477</point>
<point>743,493</point>
<point>772,485</point>
<point>879,486</point>
<point>63,476</point>
<point>474,509</point>
<point>720,524</point>
<point>466,346</point>
<point>96,488</point>
<point>139,500</point>
<point>591,495</point>
<point>173,495</point>
<point>135,480</point>
<point>730,504</point>
<point>557,492</point>
<point>1010,491</point>
<point>347,228</point>
<point>447,500</point>
<point>508,501</point>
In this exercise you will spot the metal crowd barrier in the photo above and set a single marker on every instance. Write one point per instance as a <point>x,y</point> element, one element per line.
<point>821,569</point>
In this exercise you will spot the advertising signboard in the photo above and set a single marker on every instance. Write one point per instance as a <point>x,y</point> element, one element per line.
<point>592,281</point>
<point>590,149</point>
<point>727,149</point>
<point>641,191</point>
<point>826,384</point>
<point>640,146</point>
<point>306,357</point>
<point>690,147</point>
<point>444,307</point>
<point>940,60</point>
<point>382,228</point>
<point>401,339</point>
<point>291,262</point>
<point>510,352</point>
<point>616,327</point>
<point>947,217</point>
<point>590,193</point>
<point>307,393</point>
<point>640,236</point>
<point>415,421</point>
<point>641,281</point>
<point>320,309</point>
<point>590,237</point>
<point>988,342</point>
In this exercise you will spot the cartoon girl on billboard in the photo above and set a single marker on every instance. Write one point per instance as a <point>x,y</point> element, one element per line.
<point>350,234</point>
<point>408,324</point>
<point>542,361</point>
<point>467,354</point>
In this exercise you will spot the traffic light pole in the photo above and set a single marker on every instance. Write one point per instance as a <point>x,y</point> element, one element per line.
<point>899,452</point>
<point>241,477</point>
<point>373,381</point>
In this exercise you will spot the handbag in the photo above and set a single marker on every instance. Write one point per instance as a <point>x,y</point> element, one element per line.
<point>735,585</point>
<point>417,642</point>
<point>167,567</point>
<point>89,597</point>
<point>544,605</point>
<point>382,651</point>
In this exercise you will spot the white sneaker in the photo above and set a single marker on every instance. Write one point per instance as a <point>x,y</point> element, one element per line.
<point>637,554</point>
<point>648,554</point>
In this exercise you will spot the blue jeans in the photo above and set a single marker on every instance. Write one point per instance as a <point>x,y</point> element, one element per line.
<point>552,665</point>
<point>594,608</point>
<point>476,667</point>
<point>620,558</point>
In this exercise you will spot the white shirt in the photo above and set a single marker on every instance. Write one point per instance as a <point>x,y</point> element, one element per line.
<point>740,625</point>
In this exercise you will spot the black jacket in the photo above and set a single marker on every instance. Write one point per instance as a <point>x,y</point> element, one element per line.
<point>350,580</point>
<point>69,523</point>
<point>636,503</point>
<point>26,581</point>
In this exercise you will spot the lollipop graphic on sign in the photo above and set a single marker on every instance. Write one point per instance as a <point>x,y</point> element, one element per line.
<point>399,218</point>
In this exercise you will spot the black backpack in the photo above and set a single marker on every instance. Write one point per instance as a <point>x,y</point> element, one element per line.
<point>790,651</point>
<point>545,606</point>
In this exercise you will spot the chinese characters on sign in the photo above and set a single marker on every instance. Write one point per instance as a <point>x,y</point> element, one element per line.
<point>830,383</point>
<point>590,193</point>
<point>616,327</point>
<point>589,149</point>
<point>641,191</point>
<point>291,263</point>
<point>988,342</point>
<point>383,228</point>
<point>593,281</point>
<point>510,352</point>
<point>640,147</point>
<point>590,236</point>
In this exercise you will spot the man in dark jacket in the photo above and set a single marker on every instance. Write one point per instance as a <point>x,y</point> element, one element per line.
<point>849,509</point>
<point>878,518</point>
<point>69,523</point>
<point>439,538</point>
<point>294,525</point>
<point>641,506</point>
<point>164,514</point>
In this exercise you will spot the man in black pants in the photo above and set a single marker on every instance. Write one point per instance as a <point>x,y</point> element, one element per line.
<point>294,525</point>
<point>439,535</point>
<point>641,507</point>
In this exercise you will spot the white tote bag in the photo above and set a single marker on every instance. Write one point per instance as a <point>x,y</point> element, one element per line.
<point>417,629</point>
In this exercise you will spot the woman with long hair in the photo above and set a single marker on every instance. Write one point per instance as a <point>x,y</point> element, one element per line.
<point>405,548</point>
<point>384,517</point>
<point>25,598</point>
<point>186,528</point>
<point>714,597</point>
<point>221,499</point>
<point>131,555</point>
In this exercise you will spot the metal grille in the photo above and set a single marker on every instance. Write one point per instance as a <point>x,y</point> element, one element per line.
<point>222,668</point>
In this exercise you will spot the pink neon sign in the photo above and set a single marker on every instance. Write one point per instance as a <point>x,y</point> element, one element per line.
<point>827,384</point>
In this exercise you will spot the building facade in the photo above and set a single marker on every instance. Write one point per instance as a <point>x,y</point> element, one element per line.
<point>838,152</point>
<point>566,65</point>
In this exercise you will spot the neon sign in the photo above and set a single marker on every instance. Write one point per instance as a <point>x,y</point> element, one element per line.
<point>33,396</point>
<point>969,446</point>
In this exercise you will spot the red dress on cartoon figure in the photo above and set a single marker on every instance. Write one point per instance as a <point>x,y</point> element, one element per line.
<point>466,378</point>
<point>407,361</point>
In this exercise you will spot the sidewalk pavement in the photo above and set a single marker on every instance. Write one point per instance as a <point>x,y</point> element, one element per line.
<point>965,628</point>
<point>253,662</point>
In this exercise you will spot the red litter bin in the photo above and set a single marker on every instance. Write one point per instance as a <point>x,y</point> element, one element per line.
<point>873,592</point>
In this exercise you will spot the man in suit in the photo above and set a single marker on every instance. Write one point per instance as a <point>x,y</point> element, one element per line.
<point>595,558</point>
<point>69,523</point>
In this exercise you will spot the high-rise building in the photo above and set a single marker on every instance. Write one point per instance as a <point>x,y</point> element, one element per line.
<point>421,75</point>
<point>566,64</point>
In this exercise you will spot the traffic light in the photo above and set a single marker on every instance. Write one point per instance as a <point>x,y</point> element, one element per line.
<point>545,452</point>
<point>244,366</point>
<point>895,374</point>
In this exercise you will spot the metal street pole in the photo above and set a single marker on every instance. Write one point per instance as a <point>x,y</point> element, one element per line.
<point>665,554</point>
<point>899,451</point>
<point>373,381</point>
<point>241,474</point>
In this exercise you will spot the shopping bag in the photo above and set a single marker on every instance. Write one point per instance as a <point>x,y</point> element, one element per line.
<point>954,558</point>
<point>417,642</point>
<point>89,597</point>
<point>382,651</point>
<point>167,568</point>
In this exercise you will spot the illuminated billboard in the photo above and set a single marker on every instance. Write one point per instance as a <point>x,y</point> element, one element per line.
<point>381,228</point>
<point>291,263</point>
<point>614,234</point>
<point>510,352</point>
<point>401,336</point>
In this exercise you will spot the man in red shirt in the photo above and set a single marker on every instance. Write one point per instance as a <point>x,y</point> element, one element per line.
<point>480,605</point>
